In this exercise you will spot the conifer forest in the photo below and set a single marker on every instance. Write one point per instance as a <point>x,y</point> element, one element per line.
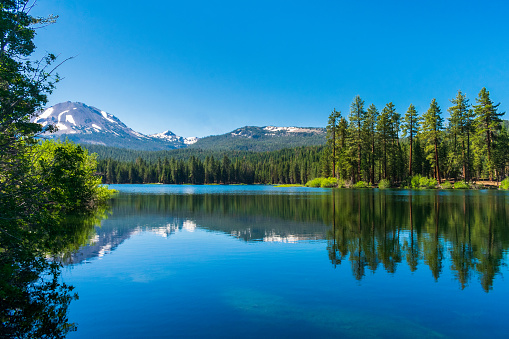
<point>367,145</point>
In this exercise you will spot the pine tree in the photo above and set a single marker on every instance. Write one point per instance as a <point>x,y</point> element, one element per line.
<point>432,127</point>
<point>370,134</point>
<point>331,138</point>
<point>461,125</point>
<point>384,134</point>
<point>357,117</point>
<point>396,162</point>
<point>342,141</point>
<point>487,123</point>
<point>411,128</point>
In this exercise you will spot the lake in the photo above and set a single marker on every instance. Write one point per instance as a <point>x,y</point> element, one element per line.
<point>260,261</point>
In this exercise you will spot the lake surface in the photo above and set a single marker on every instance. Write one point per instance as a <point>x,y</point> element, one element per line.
<point>259,261</point>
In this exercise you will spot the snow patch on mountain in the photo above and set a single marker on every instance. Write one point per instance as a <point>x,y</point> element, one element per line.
<point>70,119</point>
<point>291,129</point>
<point>44,114</point>
<point>172,137</point>
<point>191,140</point>
<point>105,116</point>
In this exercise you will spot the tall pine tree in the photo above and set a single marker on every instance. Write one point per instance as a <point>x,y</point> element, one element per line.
<point>357,117</point>
<point>411,128</point>
<point>487,123</point>
<point>432,127</point>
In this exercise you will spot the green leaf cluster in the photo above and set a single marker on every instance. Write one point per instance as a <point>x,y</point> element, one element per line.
<point>505,184</point>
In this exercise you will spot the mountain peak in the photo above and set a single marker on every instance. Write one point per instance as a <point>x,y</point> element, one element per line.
<point>90,125</point>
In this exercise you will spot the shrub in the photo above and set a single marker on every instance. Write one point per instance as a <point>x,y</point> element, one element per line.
<point>384,183</point>
<point>423,182</point>
<point>329,182</point>
<point>505,184</point>
<point>427,183</point>
<point>69,171</point>
<point>432,183</point>
<point>415,182</point>
<point>461,185</point>
<point>360,184</point>
<point>323,182</point>
<point>446,185</point>
<point>316,182</point>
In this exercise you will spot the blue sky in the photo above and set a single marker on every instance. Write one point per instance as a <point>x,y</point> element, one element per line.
<point>207,67</point>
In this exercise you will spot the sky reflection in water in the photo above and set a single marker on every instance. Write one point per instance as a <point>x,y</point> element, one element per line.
<point>251,261</point>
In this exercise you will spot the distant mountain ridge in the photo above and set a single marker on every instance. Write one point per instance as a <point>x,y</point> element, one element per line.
<point>85,124</point>
<point>260,139</point>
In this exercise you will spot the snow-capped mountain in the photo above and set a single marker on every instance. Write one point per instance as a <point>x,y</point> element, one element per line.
<point>170,136</point>
<point>89,125</point>
<point>78,118</point>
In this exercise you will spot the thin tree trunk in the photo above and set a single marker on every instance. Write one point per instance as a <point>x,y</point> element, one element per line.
<point>437,168</point>
<point>410,158</point>
<point>373,160</point>
<point>334,148</point>
<point>489,152</point>
<point>464,160</point>
<point>468,157</point>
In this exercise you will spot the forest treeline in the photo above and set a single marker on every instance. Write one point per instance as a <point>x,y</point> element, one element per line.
<point>289,166</point>
<point>371,145</point>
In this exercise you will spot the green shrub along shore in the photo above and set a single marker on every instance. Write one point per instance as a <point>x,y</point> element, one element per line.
<point>415,182</point>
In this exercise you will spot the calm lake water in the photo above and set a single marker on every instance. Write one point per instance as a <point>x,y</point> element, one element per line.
<point>258,261</point>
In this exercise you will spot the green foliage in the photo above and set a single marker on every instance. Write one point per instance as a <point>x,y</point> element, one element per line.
<point>361,184</point>
<point>461,185</point>
<point>316,182</point>
<point>415,182</point>
<point>432,127</point>
<point>70,172</point>
<point>341,183</point>
<point>505,184</point>
<point>323,182</point>
<point>329,182</point>
<point>384,183</point>
<point>446,185</point>
<point>487,123</point>
<point>427,182</point>
<point>411,128</point>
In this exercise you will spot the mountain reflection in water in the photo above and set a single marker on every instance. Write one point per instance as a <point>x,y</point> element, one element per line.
<point>465,232</point>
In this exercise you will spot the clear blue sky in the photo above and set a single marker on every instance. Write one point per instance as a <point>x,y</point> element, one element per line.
<point>207,67</point>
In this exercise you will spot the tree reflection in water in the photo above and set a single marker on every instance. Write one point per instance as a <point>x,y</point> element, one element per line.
<point>464,231</point>
<point>34,301</point>
<point>423,227</point>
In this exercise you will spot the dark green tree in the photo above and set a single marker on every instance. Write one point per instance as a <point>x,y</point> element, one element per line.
<point>411,128</point>
<point>357,118</point>
<point>371,138</point>
<point>432,127</point>
<point>331,137</point>
<point>487,123</point>
<point>461,125</point>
